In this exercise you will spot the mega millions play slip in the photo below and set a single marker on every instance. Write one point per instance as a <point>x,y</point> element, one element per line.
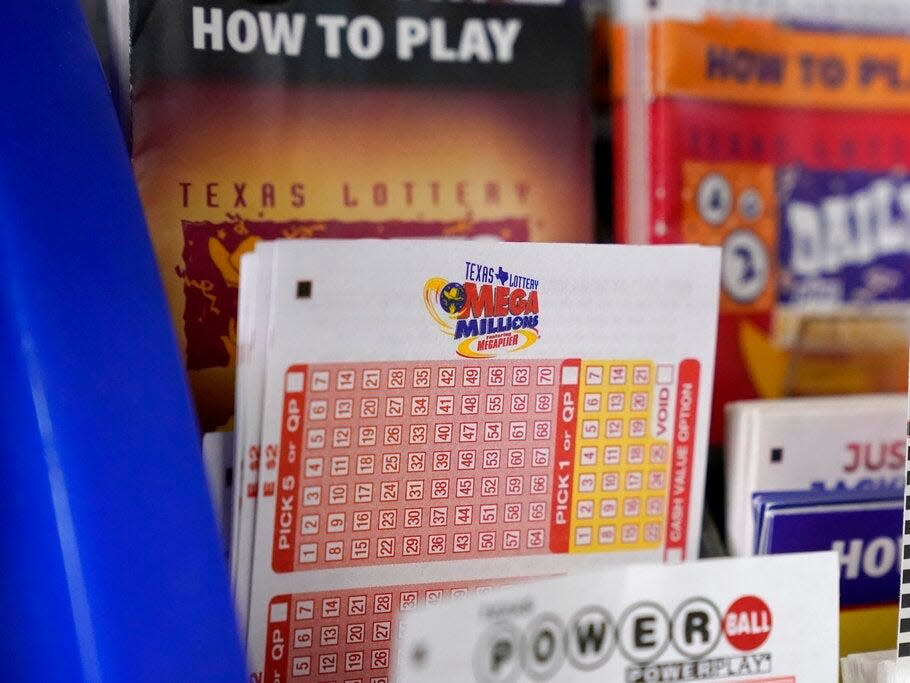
<point>423,420</point>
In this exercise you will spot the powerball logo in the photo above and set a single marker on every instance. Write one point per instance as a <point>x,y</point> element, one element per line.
<point>490,312</point>
<point>691,640</point>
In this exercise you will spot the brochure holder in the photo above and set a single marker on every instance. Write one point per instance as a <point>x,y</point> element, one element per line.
<point>848,354</point>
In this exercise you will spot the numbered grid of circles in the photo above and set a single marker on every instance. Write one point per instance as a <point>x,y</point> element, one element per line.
<point>621,473</point>
<point>425,461</point>
<point>349,635</point>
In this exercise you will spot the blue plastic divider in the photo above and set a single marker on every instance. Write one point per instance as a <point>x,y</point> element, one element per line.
<point>110,563</point>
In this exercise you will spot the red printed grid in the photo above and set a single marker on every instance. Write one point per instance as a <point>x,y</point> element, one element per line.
<point>348,635</point>
<point>422,461</point>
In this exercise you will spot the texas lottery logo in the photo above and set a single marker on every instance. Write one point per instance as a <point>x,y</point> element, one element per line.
<point>491,312</point>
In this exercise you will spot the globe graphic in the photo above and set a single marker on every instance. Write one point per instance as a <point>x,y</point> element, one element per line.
<point>452,298</point>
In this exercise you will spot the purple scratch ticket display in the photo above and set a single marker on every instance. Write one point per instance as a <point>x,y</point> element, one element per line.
<point>843,239</point>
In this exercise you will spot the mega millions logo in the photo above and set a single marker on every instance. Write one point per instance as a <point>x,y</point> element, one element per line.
<point>491,312</point>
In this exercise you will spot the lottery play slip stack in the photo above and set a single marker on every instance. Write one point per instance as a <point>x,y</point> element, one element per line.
<point>780,132</point>
<point>824,473</point>
<point>815,445</point>
<point>423,420</point>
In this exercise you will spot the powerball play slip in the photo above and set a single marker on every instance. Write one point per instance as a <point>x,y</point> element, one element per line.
<point>439,418</point>
<point>766,619</point>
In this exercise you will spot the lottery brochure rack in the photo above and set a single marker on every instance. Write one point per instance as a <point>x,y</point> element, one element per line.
<point>778,131</point>
<point>480,414</point>
<point>344,119</point>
